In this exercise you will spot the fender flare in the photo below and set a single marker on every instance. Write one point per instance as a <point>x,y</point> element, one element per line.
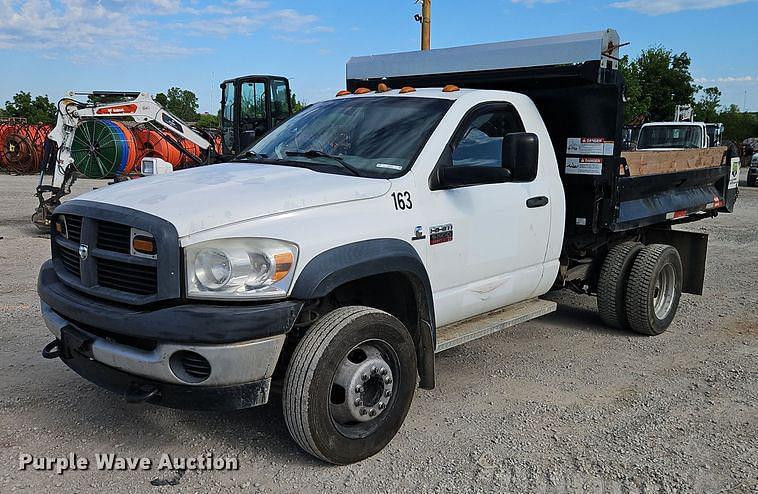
<point>335,267</point>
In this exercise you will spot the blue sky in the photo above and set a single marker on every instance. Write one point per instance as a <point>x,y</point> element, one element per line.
<point>48,47</point>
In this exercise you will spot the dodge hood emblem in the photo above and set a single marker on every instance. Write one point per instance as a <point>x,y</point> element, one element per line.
<point>83,252</point>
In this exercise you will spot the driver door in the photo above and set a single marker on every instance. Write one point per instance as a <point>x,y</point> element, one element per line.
<point>493,249</point>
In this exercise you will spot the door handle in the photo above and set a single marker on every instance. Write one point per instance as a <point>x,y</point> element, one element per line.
<point>537,202</point>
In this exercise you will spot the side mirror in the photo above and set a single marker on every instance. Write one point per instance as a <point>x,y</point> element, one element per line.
<point>521,153</point>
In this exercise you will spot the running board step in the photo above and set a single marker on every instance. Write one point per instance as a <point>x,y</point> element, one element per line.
<point>492,322</point>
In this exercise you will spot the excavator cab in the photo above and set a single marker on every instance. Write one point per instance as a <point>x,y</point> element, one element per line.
<point>250,107</point>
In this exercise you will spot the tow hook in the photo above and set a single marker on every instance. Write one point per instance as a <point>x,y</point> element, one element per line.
<point>52,350</point>
<point>136,393</point>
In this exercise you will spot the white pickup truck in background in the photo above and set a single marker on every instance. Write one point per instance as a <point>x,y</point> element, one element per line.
<point>429,205</point>
<point>667,136</point>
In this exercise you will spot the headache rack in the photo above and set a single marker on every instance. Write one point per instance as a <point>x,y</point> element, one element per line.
<point>576,84</point>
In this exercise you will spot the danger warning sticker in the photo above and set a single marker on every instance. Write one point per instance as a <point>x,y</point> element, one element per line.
<point>592,146</point>
<point>584,166</point>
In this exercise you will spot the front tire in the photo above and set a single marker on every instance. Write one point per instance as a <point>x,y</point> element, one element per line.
<point>654,289</point>
<point>350,384</point>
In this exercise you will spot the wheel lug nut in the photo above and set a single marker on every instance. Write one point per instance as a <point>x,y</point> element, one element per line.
<point>388,380</point>
<point>388,393</point>
<point>364,377</point>
<point>363,411</point>
<point>372,412</point>
<point>373,370</point>
<point>380,405</point>
<point>359,389</point>
<point>383,371</point>
<point>358,402</point>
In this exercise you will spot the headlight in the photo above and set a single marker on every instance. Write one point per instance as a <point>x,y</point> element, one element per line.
<point>240,268</point>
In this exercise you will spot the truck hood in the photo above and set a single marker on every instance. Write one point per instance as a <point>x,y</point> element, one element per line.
<point>211,196</point>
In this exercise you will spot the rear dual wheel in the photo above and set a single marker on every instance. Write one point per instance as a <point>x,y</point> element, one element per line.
<point>350,384</point>
<point>640,287</point>
<point>654,289</point>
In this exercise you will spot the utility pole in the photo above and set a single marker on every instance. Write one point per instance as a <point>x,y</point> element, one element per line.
<point>426,23</point>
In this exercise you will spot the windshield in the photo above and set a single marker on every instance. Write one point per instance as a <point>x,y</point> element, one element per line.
<point>670,136</point>
<point>367,136</point>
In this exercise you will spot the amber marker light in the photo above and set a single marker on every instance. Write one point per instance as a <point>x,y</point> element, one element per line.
<point>450,88</point>
<point>362,90</point>
<point>407,89</point>
<point>382,88</point>
<point>144,245</point>
<point>283,265</point>
<point>344,92</point>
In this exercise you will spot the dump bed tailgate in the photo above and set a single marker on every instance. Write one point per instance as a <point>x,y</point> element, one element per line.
<point>656,198</point>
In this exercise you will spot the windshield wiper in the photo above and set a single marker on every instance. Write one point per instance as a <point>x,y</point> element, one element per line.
<point>250,154</point>
<point>315,153</point>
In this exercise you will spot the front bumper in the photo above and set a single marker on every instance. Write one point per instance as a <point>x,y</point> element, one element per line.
<point>140,353</point>
<point>188,323</point>
<point>138,389</point>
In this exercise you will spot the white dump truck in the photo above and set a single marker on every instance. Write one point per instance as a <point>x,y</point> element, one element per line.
<point>431,203</point>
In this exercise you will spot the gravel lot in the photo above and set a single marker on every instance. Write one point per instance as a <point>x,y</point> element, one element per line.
<point>560,404</point>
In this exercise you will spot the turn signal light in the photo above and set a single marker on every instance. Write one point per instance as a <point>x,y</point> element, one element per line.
<point>450,88</point>
<point>283,265</point>
<point>362,90</point>
<point>382,88</point>
<point>407,89</point>
<point>144,245</point>
<point>344,92</point>
<point>61,227</point>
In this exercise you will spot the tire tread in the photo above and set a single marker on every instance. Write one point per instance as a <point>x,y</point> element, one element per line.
<point>640,279</point>
<point>612,283</point>
<point>298,378</point>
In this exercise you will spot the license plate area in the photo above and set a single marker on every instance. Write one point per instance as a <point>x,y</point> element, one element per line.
<point>75,340</point>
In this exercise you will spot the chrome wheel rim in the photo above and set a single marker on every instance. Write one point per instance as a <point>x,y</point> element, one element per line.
<point>363,388</point>
<point>663,292</point>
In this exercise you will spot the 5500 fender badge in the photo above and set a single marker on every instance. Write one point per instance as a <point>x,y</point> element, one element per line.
<point>439,234</point>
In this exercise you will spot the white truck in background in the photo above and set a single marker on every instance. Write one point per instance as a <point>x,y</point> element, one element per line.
<point>668,136</point>
<point>430,204</point>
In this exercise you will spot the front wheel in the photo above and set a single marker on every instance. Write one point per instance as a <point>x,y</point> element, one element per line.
<point>350,384</point>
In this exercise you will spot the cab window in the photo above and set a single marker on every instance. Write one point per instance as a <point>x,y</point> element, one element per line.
<point>481,142</point>
<point>280,104</point>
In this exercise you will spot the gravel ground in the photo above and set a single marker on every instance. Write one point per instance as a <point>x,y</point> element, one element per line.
<point>559,404</point>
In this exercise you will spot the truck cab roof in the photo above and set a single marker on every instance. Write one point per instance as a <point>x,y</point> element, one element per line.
<point>683,124</point>
<point>437,92</point>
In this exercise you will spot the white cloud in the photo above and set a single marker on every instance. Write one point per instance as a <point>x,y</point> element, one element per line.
<point>660,7</point>
<point>728,80</point>
<point>82,30</point>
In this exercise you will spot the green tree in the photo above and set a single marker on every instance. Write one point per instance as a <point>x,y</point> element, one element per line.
<point>637,103</point>
<point>707,107</point>
<point>35,110</point>
<point>657,81</point>
<point>207,121</point>
<point>180,102</point>
<point>738,125</point>
<point>296,104</point>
